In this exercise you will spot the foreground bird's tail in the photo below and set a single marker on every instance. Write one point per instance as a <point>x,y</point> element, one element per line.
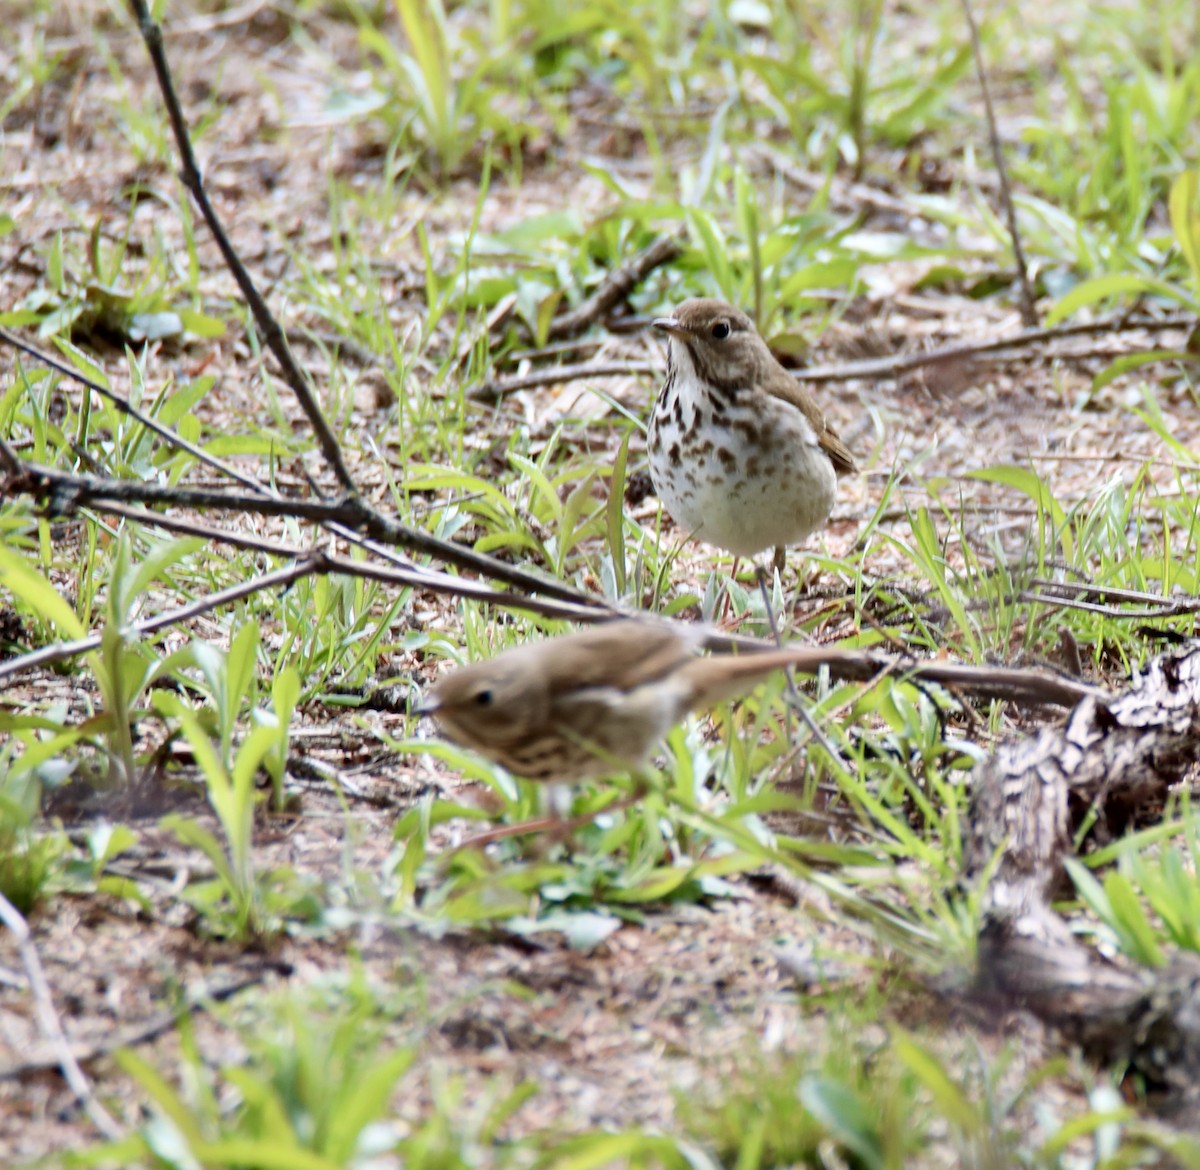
<point>714,679</point>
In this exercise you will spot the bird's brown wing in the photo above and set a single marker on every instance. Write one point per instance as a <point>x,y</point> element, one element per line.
<point>782,385</point>
<point>621,654</point>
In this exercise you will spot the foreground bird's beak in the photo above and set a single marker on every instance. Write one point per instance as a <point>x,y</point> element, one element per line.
<point>670,325</point>
<point>430,707</point>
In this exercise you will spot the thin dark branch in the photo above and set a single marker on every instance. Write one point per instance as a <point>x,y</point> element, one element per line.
<point>888,367</point>
<point>306,562</point>
<point>615,287</point>
<point>357,517</point>
<point>1107,593</point>
<point>1035,686</point>
<point>495,388</point>
<point>1179,607</point>
<point>269,327</point>
<point>1025,290</point>
<point>64,651</point>
<point>62,492</point>
<point>129,410</point>
<point>135,1034</point>
<point>315,563</point>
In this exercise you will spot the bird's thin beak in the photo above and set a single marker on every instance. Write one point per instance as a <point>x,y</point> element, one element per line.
<point>430,707</point>
<point>671,325</point>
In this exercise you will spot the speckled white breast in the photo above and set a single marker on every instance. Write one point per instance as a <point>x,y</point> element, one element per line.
<point>756,478</point>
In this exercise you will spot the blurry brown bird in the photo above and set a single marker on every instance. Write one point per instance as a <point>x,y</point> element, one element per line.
<point>740,454</point>
<point>586,704</point>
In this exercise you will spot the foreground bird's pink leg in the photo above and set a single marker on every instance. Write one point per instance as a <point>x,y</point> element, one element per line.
<point>556,825</point>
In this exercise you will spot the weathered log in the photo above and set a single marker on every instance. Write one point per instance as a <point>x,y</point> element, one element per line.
<point>1108,769</point>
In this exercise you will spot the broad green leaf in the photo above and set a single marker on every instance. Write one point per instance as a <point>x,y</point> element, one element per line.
<point>1032,485</point>
<point>844,1114</point>
<point>26,583</point>
<point>201,324</point>
<point>1134,361</point>
<point>952,1103</point>
<point>1102,288</point>
<point>82,362</point>
<point>1184,221</point>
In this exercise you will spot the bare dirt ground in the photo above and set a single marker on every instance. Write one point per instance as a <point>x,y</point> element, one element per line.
<point>612,1036</point>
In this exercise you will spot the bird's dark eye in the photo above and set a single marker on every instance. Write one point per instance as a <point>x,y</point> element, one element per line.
<point>484,698</point>
<point>720,330</point>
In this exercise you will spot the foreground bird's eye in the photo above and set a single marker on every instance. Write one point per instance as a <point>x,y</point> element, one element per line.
<point>720,330</point>
<point>483,698</point>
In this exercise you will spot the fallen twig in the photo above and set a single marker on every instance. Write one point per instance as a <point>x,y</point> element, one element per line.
<point>615,287</point>
<point>51,1025</point>
<point>1024,287</point>
<point>272,332</point>
<point>890,367</point>
<point>136,1034</point>
<point>495,388</point>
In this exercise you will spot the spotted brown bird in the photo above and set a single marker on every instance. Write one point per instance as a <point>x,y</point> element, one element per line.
<point>740,454</point>
<point>582,705</point>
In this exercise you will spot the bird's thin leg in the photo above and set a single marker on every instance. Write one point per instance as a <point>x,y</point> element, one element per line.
<point>725,609</point>
<point>760,575</point>
<point>794,698</point>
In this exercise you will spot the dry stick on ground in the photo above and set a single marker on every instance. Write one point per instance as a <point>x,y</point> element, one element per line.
<point>271,331</point>
<point>615,287</point>
<point>345,518</point>
<point>62,490</point>
<point>1177,607</point>
<point>495,388</point>
<point>889,367</point>
<point>871,368</point>
<point>135,1034</point>
<point>1111,767</point>
<point>306,563</point>
<point>51,1024</point>
<point>1028,310</point>
<point>1087,591</point>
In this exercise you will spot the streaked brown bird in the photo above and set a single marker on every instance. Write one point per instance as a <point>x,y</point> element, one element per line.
<point>740,454</point>
<point>582,705</point>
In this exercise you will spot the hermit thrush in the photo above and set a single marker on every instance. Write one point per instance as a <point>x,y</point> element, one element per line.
<point>740,454</point>
<point>584,704</point>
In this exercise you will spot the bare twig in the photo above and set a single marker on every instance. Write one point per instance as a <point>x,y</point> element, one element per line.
<point>51,1024</point>
<point>270,328</point>
<point>1031,686</point>
<point>1034,686</point>
<point>349,515</point>
<point>63,651</point>
<point>1108,593</point>
<point>127,408</point>
<point>135,1034</point>
<point>1178,608</point>
<point>307,562</point>
<point>1028,309</point>
<point>615,287</point>
<point>357,517</point>
<point>889,367</point>
<point>495,388</point>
